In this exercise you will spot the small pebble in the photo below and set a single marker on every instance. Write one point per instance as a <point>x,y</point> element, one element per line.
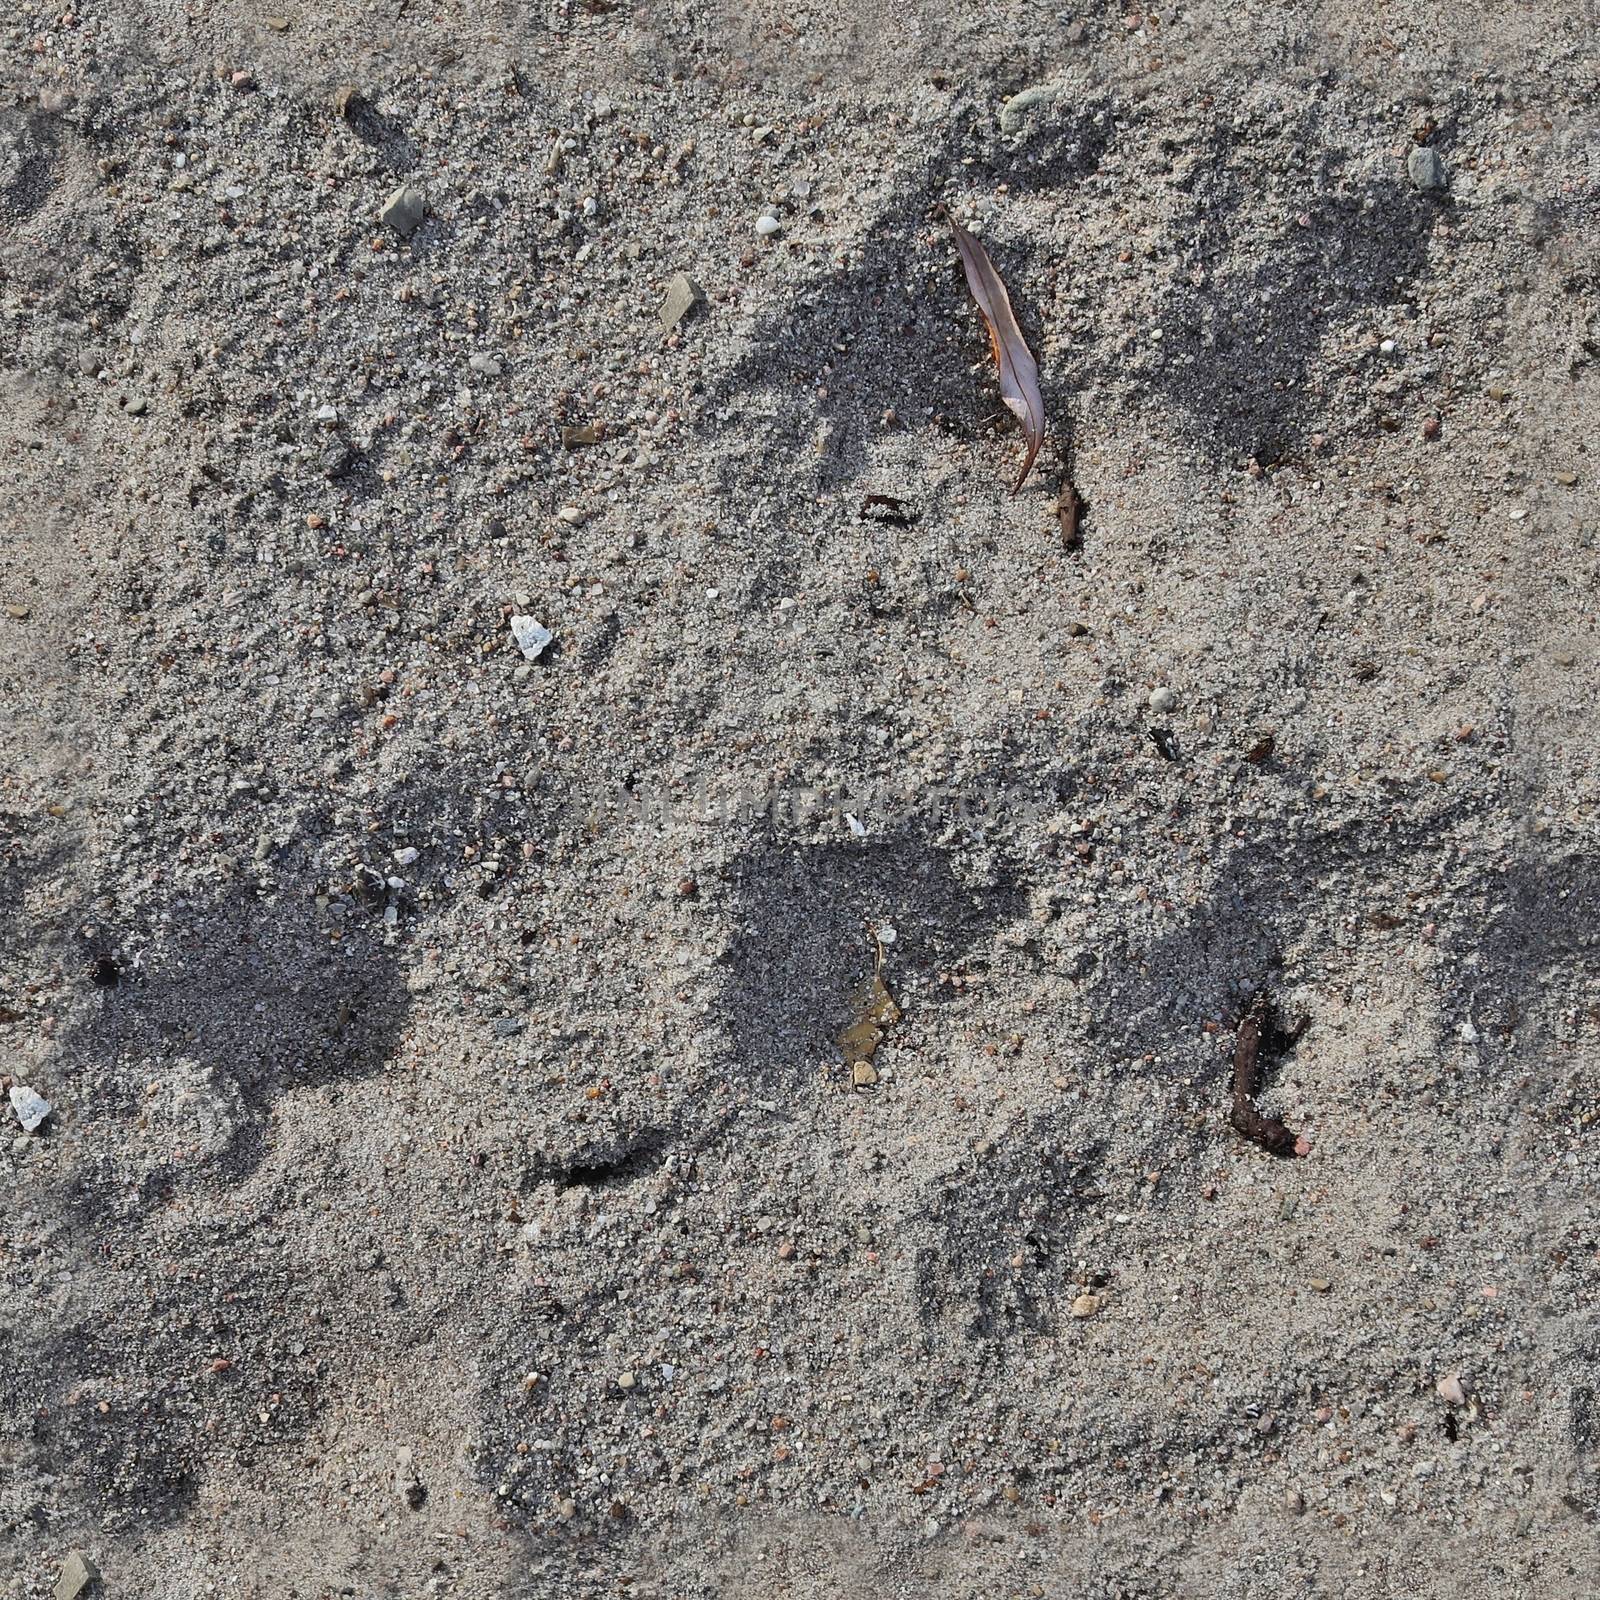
<point>1085,1306</point>
<point>1452,1391</point>
<point>78,1574</point>
<point>403,210</point>
<point>625,1380</point>
<point>137,406</point>
<point>30,1106</point>
<point>485,366</point>
<point>1162,700</point>
<point>767,225</point>
<point>573,516</point>
<point>1321,1285</point>
<point>531,635</point>
<point>683,295</point>
<point>863,1074</point>
<point>1425,168</point>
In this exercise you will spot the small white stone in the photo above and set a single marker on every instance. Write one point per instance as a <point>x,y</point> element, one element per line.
<point>1162,700</point>
<point>31,1107</point>
<point>1467,1033</point>
<point>405,855</point>
<point>767,225</point>
<point>1387,347</point>
<point>531,635</point>
<point>573,516</point>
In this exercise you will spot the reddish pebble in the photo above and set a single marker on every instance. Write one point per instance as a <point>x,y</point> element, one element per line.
<point>1430,427</point>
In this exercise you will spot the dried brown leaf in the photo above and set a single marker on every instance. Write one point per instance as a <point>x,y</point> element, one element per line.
<point>1019,373</point>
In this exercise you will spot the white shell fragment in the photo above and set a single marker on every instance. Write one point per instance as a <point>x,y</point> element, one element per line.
<point>31,1108</point>
<point>531,635</point>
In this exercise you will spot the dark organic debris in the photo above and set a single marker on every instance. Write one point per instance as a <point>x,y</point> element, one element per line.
<point>1260,1035</point>
<point>1069,513</point>
<point>886,508</point>
<point>1260,750</point>
<point>105,972</point>
<point>1165,742</point>
<point>1019,373</point>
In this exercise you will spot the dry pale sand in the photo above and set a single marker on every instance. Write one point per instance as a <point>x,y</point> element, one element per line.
<point>453,1184</point>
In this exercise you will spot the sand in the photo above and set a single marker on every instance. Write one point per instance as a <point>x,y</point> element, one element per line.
<point>453,1183</point>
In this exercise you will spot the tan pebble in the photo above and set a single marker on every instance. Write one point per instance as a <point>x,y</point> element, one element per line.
<point>1566,479</point>
<point>17,612</point>
<point>1294,1501</point>
<point>573,516</point>
<point>1321,1285</point>
<point>625,1380</point>
<point>1452,1391</point>
<point>1012,1493</point>
<point>864,1074</point>
<point>1085,1305</point>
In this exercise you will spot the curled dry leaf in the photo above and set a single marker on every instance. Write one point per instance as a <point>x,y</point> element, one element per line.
<point>1019,372</point>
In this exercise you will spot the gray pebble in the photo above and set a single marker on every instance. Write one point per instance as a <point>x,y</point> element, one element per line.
<point>403,210</point>
<point>1425,168</point>
<point>137,406</point>
<point>77,1575</point>
<point>683,295</point>
<point>484,366</point>
<point>1162,700</point>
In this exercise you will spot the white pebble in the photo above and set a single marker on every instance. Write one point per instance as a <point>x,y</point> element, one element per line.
<point>767,225</point>
<point>31,1107</point>
<point>1162,700</point>
<point>573,516</point>
<point>405,855</point>
<point>531,635</point>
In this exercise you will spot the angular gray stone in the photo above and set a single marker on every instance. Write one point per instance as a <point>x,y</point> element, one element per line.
<point>78,1576</point>
<point>1425,168</point>
<point>403,210</point>
<point>683,295</point>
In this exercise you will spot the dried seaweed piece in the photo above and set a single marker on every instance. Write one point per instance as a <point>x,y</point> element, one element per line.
<point>1019,372</point>
<point>1258,1032</point>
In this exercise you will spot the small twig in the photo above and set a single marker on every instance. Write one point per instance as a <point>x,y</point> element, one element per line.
<point>1258,1033</point>
<point>1069,509</point>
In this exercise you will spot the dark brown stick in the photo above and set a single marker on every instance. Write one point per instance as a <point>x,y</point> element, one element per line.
<point>1257,1032</point>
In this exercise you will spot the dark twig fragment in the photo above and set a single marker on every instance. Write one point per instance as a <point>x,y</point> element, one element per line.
<point>887,508</point>
<point>1259,1034</point>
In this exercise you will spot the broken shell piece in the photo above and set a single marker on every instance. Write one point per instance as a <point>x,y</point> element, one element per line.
<point>531,635</point>
<point>31,1108</point>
